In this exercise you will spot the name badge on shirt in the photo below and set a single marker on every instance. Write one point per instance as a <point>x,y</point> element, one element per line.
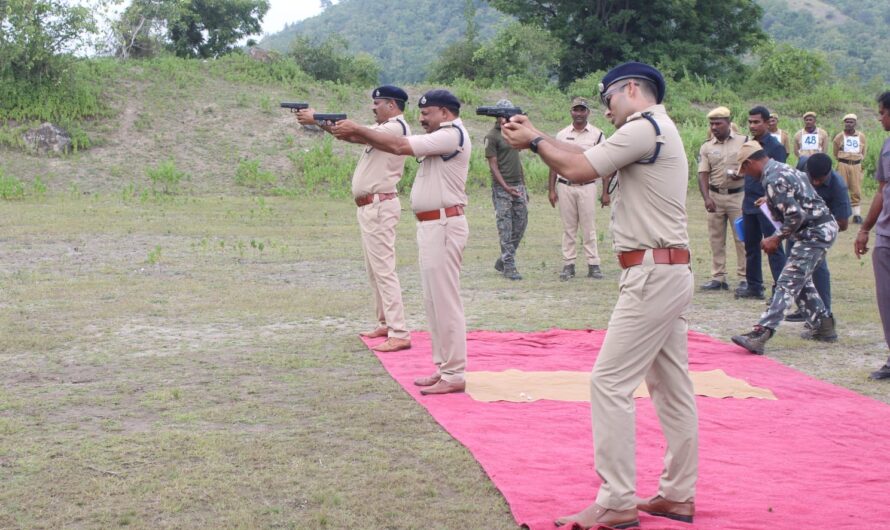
<point>851,144</point>
<point>809,142</point>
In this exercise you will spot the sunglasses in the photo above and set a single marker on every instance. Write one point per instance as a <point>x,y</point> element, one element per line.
<point>606,97</point>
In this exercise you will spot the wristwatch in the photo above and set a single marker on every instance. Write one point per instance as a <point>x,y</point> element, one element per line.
<point>533,145</point>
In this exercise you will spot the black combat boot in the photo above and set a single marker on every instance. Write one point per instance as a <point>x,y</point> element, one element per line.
<point>593,271</point>
<point>511,273</point>
<point>755,340</point>
<point>567,272</point>
<point>499,265</point>
<point>824,330</point>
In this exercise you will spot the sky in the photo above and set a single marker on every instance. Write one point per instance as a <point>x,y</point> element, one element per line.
<point>283,12</point>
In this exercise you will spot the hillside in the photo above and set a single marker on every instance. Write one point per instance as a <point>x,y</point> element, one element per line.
<point>393,31</point>
<point>404,43</point>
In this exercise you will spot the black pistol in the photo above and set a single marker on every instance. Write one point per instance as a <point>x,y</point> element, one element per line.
<point>294,106</point>
<point>328,119</point>
<point>499,112</point>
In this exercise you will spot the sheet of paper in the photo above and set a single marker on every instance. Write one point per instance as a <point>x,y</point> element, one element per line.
<point>765,209</point>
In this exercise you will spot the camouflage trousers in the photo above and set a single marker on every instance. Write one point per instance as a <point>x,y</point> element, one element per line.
<point>796,280</point>
<point>511,214</point>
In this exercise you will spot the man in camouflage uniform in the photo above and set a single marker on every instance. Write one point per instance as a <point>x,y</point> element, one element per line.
<point>508,194</point>
<point>806,221</point>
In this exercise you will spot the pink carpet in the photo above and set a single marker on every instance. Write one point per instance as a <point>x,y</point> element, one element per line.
<point>818,457</point>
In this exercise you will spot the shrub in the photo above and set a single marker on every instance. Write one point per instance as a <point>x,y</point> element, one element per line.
<point>165,175</point>
<point>250,175</point>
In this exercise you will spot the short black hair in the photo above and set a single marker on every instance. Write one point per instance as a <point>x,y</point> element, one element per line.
<point>884,100</point>
<point>818,165</point>
<point>400,104</point>
<point>760,109</point>
<point>453,110</point>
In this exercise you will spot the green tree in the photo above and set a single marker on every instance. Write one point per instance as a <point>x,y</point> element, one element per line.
<point>784,69</point>
<point>699,36</point>
<point>36,34</point>
<point>188,28</point>
<point>331,61</point>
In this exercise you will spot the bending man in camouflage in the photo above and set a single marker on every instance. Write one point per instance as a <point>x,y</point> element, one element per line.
<point>807,222</point>
<point>508,194</point>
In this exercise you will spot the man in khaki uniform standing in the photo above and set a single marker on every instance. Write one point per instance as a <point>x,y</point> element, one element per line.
<point>722,188</point>
<point>779,134</point>
<point>849,151</point>
<point>810,139</point>
<point>438,198</point>
<point>647,334</point>
<point>374,190</point>
<point>577,201</point>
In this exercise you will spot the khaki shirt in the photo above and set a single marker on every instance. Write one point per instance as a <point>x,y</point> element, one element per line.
<point>649,204</point>
<point>839,152</point>
<point>378,171</point>
<point>715,158</point>
<point>441,183</point>
<point>588,137</point>
<point>822,147</point>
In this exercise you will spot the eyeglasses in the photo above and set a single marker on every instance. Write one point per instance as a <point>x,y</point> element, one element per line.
<point>606,97</point>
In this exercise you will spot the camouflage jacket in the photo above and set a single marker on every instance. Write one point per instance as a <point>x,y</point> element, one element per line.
<point>793,201</point>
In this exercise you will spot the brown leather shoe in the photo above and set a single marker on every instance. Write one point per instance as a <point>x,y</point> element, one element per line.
<point>444,387</point>
<point>427,381</point>
<point>595,516</point>
<point>393,344</point>
<point>678,511</point>
<point>382,331</point>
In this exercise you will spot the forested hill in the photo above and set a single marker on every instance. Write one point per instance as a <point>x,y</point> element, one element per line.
<point>406,35</point>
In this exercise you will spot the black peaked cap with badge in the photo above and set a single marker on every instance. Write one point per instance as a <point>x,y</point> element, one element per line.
<point>635,70</point>
<point>389,92</point>
<point>439,98</point>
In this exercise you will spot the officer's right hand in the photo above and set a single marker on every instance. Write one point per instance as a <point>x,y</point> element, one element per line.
<point>306,116</point>
<point>710,205</point>
<point>860,245</point>
<point>553,198</point>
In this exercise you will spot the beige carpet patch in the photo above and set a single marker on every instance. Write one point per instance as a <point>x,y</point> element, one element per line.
<point>518,386</point>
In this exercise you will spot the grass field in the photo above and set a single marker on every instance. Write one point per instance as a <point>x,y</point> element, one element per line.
<point>180,304</point>
<point>192,362</point>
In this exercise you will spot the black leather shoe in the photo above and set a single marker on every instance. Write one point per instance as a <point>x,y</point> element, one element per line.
<point>882,373</point>
<point>511,273</point>
<point>748,293</point>
<point>797,316</point>
<point>715,285</point>
<point>499,265</point>
<point>594,271</point>
<point>743,285</point>
<point>857,219</point>
<point>567,272</point>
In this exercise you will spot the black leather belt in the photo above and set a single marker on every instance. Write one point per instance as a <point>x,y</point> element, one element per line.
<point>570,183</point>
<point>715,189</point>
<point>851,162</point>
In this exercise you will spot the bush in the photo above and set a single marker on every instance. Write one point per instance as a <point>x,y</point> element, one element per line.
<point>11,187</point>
<point>784,69</point>
<point>331,61</point>
<point>165,175</point>
<point>322,170</point>
<point>250,175</point>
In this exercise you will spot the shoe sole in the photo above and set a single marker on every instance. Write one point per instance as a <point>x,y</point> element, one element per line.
<point>744,344</point>
<point>674,516</point>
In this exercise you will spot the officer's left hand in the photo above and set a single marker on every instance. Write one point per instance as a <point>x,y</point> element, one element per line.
<point>606,199</point>
<point>344,129</point>
<point>771,244</point>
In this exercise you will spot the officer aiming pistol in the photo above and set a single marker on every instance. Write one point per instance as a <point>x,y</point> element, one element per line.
<point>499,112</point>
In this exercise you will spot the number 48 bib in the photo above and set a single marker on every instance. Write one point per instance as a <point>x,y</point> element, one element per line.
<point>809,142</point>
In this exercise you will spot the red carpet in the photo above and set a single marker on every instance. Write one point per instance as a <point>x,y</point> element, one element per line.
<point>818,457</point>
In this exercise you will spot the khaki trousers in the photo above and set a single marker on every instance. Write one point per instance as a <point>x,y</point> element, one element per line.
<point>377,222</point>
<point>853,176</point>
<point>441,245</point>
<point>577,208</point>
<point>728,209</point>
<point>646,339</point>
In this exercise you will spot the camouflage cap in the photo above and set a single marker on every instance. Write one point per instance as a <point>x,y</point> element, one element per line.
<point>580,102</point>
<point>504,104</point>
<point>720,112</point>
<point>747,149</point>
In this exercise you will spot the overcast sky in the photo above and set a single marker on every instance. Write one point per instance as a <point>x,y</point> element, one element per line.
<point>283,12</point>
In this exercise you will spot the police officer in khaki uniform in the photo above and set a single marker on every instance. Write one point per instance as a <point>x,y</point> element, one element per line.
<point>722,189</point>
<point>647,334</point>
<point>438,198</point>
<point>810,139</point>
<point>577,201</point>
<point>779,134</point>
<point>374,190</point>
<point>849,151</point>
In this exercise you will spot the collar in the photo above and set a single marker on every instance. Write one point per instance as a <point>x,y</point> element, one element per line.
<point>396,118</point>
<point>814,131</point>
<point>654,109</point>
<point>729,137</point>
<point>587,127</point>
